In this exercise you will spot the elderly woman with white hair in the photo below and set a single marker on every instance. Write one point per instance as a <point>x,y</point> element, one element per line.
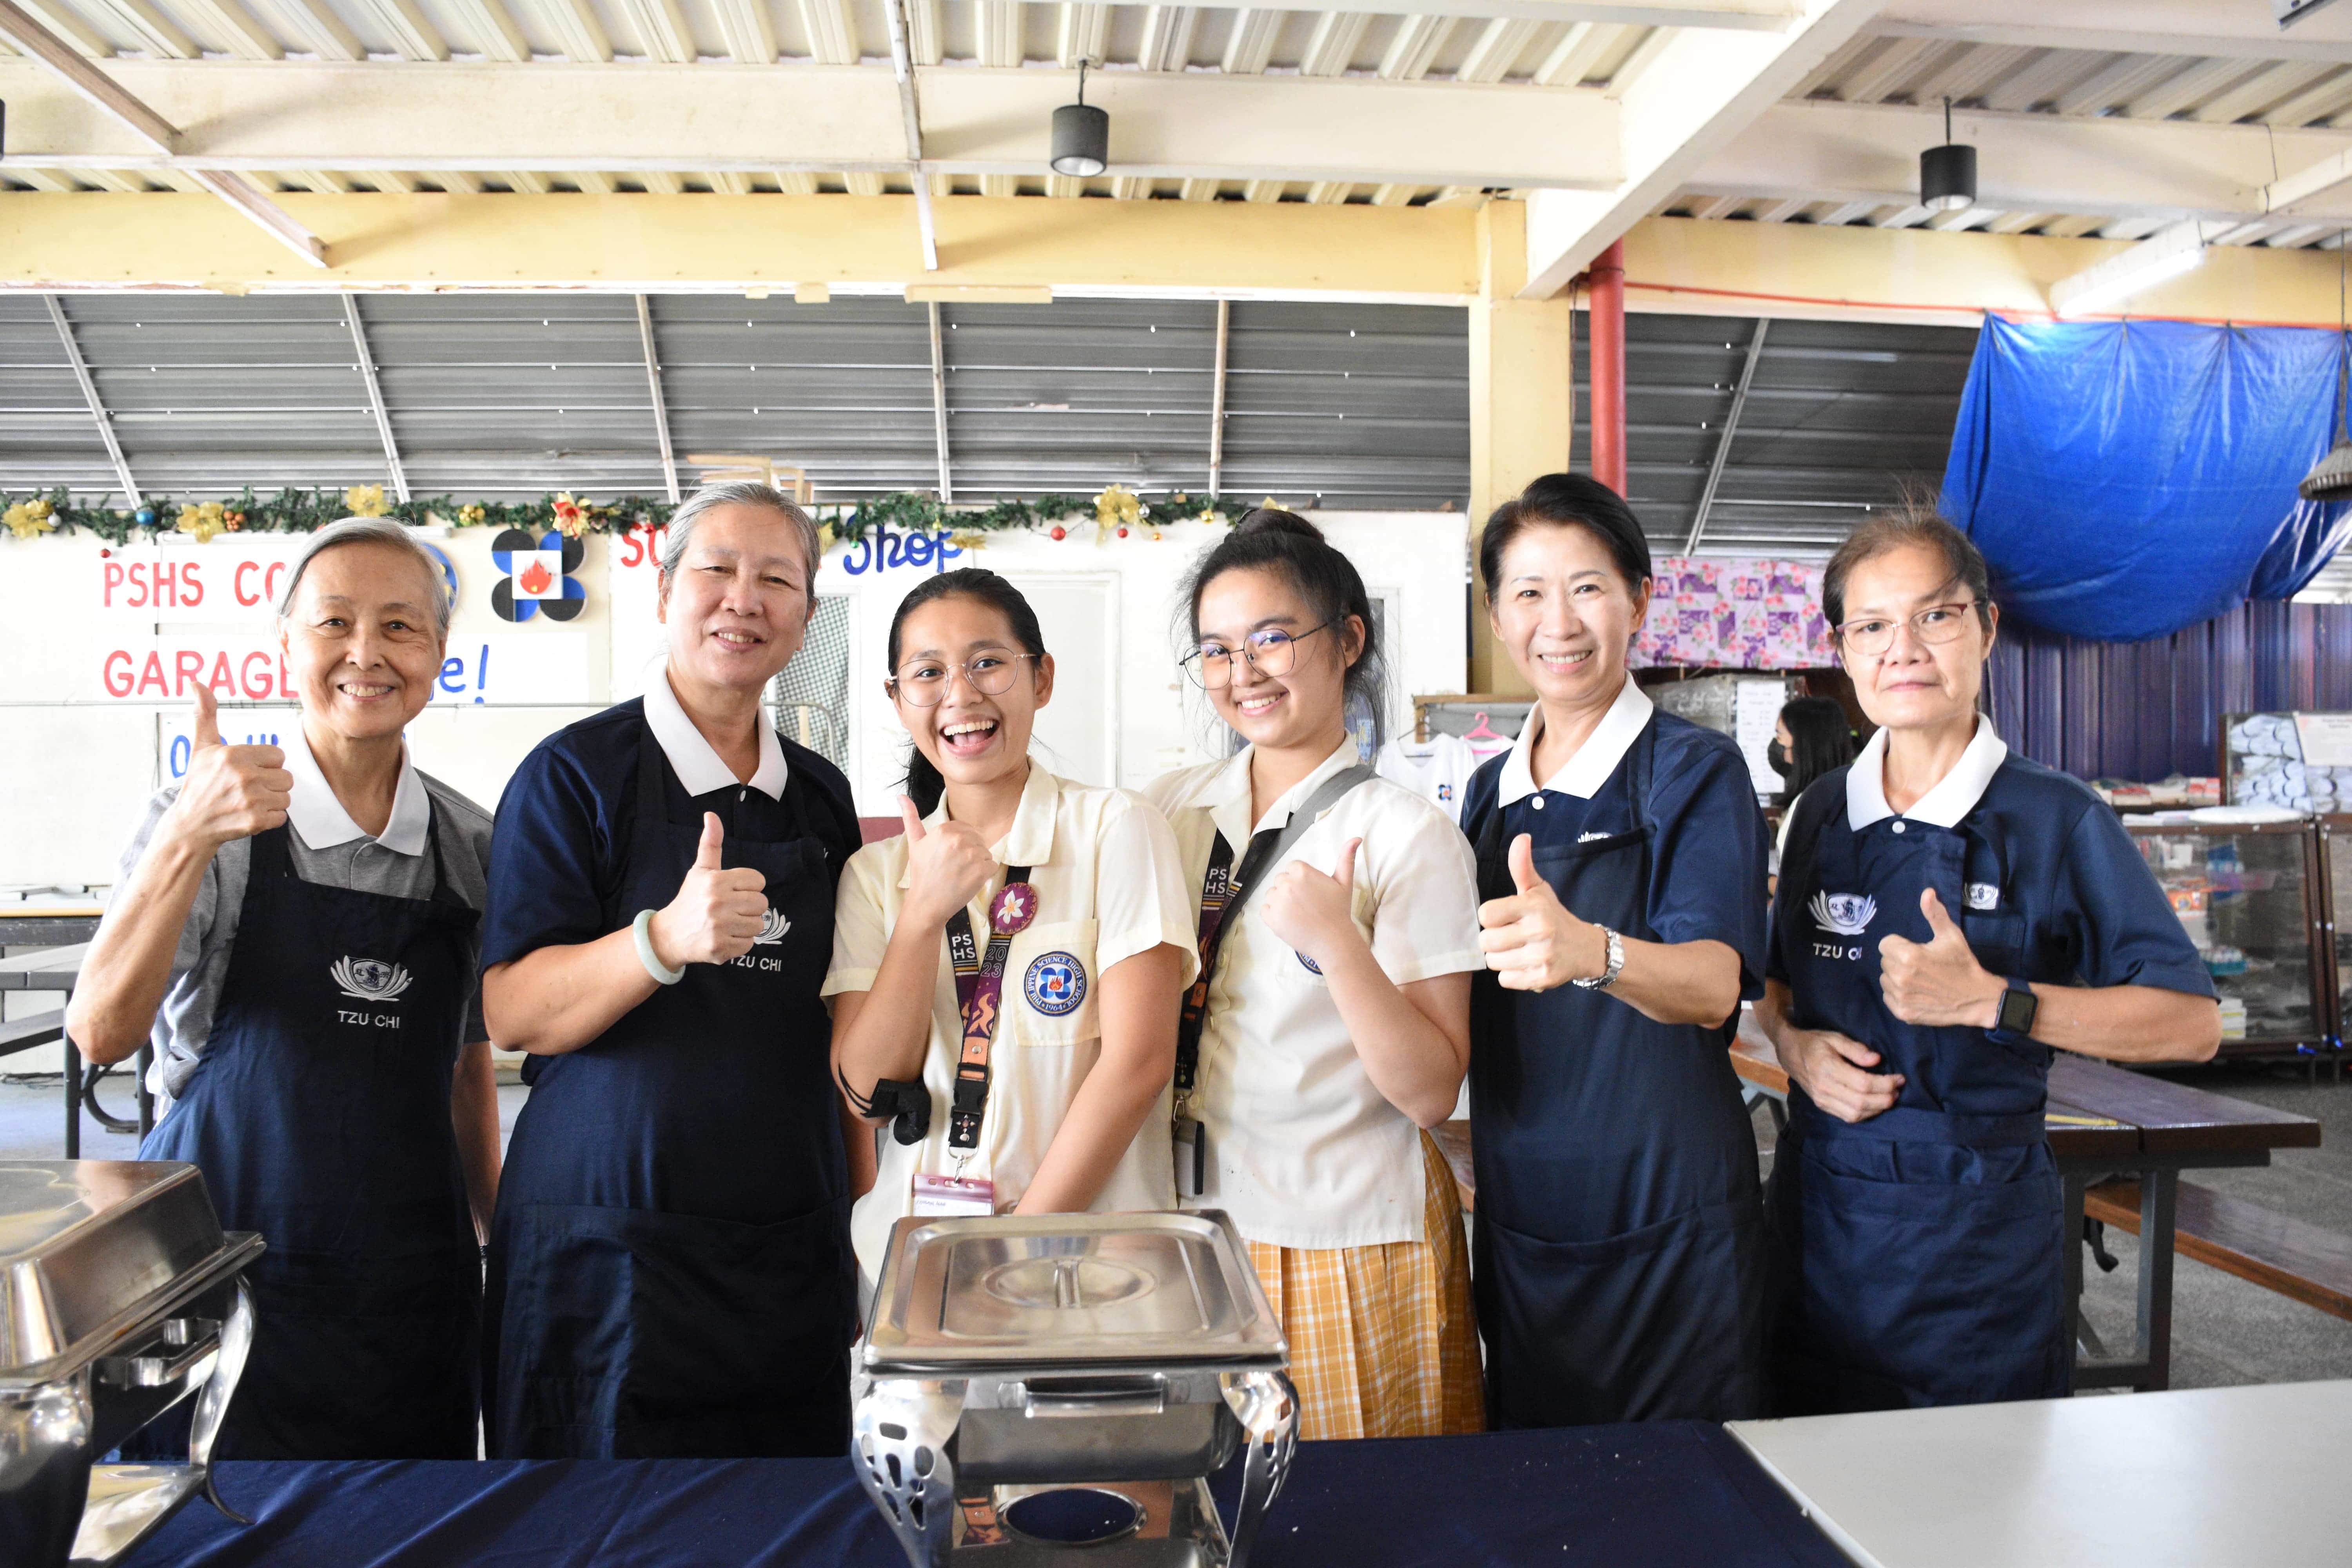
<point>669,1271</point>
<point>297,930</point>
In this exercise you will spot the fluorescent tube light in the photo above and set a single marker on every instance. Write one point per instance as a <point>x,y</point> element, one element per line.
<point>2166,254</point>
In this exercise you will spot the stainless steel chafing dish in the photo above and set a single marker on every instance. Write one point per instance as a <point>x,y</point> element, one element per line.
<point>118,1299</point>
<point>1033,1384</point>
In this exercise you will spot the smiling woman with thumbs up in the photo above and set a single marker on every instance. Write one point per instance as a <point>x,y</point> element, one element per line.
<point>669,1271</point>
<point>296,924</point>
<point>1621,853</point>
<point>1948,914</point>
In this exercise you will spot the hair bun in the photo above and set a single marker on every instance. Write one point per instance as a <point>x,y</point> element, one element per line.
<point>1273,520</point>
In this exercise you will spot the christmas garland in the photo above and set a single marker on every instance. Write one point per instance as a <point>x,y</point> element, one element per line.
<point>1115,509</point>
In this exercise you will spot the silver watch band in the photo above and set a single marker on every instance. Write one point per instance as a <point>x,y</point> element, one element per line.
<point>1614,967</point>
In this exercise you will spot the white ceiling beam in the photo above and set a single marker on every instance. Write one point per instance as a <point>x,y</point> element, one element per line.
<point>1079,35</point>
<point>662,32</point>
<point>624,119</point>
<point>2263,89</point>
<point>2117,168</point>
<point>392,180</point>
<point>228,23</point>
<point>2260,40</point>
<point>1331,47</point>
<point>416,37</point>
<point>910,125</point>
<point>1895,61</point>
<point>1412,50</point>
<point>90,94</point>
<point>727,185</point>
<point>2118,84</point>
<point>1636,64</point>
<point>927,32</point>
<point>998,26</point>
<point>750,37</point>
<point>2323,101</point>
<point>1497,48</point>
<point>489,27</point>
<point>157,32</point>
<point>1167,42</point>
<point>316,29</point>
<point>577,28</point>
<point>1581,48</point>
<point>1702,91</point>
<point>526,182</point>
<point>1735,16</point>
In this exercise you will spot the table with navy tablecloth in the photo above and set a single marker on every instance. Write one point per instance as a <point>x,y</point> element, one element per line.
<point>1667,1493</point>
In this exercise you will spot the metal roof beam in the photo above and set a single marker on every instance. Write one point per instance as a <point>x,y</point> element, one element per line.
<point>903,70</point>
<point>1723,442</point>
<point>939,403</point>
<point>1217,402</point>
<point>90,396</point>
<point>366,367</point>
<point>661,404</point>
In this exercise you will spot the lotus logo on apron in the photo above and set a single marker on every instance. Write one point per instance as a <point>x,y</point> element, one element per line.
<point>772,927</point>
<point>369,979</point>
<point>1843,914</point>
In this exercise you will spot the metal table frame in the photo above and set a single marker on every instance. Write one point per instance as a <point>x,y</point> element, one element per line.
<point>58,968</point>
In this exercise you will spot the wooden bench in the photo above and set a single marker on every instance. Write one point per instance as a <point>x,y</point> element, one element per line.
<point>2274,1250</point>
<point>24,1033</point>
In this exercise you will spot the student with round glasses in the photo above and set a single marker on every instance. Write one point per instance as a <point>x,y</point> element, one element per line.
<point>1005,973</point>
<point>1337,929</point>
<point>1948,915</point>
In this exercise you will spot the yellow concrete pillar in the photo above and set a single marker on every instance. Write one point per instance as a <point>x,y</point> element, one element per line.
<point>1522,402</point>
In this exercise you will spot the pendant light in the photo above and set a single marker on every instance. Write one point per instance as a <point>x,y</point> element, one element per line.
<point>2331,479</point>
<point>1947,174</point>
<point>1081,136</point>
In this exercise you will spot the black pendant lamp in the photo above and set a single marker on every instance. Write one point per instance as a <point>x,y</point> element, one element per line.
<point>1081,136</point>
<point>2331,479</point>
<point>1947,174</point>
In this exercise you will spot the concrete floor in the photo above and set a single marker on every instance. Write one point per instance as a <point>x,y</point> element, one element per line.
<point>2225,1331</point>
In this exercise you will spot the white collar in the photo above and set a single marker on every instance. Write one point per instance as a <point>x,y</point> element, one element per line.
<point>1583,774</point>
<point>1228,794</point>
<point>1955,795</point>
<point>694,760</point>
<point>320,818</point>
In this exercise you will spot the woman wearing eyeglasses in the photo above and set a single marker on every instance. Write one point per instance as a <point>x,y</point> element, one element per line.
<point>1620,1234</point>
<point>1948,914</point>
<point>1339,926</point>
<point>1005,974</point>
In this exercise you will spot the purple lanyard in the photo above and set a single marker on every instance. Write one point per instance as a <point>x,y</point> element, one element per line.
<point>980,987</point>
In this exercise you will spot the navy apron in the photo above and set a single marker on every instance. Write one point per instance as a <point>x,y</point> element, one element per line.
<point>319,1116</point>
<point>1617,1250</point>
<point>671,1273</point>
<point>1918,1256</point>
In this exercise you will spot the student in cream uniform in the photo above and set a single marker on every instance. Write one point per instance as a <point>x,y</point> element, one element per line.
<point>1093,954</point>
<point>1336,1022</point>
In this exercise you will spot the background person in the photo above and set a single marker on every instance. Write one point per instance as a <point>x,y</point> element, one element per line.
<point>296,927</point>
<point>1621,857</point>
<point>1811,737</point>
<point>1334,1024</point>
<point>669,1271</point>
<point>1948,914</point>
<point>1064,1057</point>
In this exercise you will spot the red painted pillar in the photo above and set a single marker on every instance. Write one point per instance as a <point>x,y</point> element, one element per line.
<point>1608,361</point>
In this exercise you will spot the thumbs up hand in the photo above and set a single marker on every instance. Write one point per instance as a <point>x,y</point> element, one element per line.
<point>230,791</point>
<point>1531,939</point>
<point>1937,982</point>
<point>947,867</point>
<point>717,913</point>
<point>1312,912</point>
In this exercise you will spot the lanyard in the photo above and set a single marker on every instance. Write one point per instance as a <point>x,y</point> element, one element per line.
<point>1223,891</point>
<point>980,985</point>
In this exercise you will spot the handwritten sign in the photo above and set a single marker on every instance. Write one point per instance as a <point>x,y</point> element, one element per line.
<point>879,550</point>
<point>547,667</point>
<point>226,581</point>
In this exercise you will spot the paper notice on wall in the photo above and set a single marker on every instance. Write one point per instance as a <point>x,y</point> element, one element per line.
<point>1755,717</point>
<point>522,668</point>
<point>2326,738</point>
<point>228,581</point>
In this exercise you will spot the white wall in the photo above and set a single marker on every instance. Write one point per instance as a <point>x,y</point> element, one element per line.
<point>76,766</point>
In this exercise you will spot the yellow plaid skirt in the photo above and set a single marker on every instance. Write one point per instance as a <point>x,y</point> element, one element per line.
<point>1382,1339</point>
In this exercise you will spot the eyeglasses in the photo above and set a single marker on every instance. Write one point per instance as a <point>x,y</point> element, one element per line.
<point>1935,625</point>
<point>923,683</point>
<point>1272,651</point>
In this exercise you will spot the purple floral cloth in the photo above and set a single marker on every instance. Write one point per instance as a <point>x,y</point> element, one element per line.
<point>1735,615</point>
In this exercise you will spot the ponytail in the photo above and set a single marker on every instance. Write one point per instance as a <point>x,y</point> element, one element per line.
<point>924,784</point>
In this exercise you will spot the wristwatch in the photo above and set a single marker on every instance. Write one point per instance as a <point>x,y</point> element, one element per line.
<point>2019,1006</point>
<point>1615,966</point>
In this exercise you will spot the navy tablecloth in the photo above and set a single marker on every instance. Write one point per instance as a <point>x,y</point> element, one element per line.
<point>1597,1496</point>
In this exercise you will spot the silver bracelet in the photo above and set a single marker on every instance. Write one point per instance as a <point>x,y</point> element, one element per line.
<point>1613,968</point>
<point>643,927</point>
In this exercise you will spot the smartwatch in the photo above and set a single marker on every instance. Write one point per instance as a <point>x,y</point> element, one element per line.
<point>2019,1004</point>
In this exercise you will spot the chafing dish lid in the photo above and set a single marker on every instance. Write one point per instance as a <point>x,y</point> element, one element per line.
<point>1063,1288</point>
<point>88,1246</point>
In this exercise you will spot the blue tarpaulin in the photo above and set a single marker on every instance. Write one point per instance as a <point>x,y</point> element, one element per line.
<point>2128,480</point>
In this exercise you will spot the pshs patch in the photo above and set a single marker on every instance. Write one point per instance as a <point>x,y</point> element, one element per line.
<point>1057,984</point>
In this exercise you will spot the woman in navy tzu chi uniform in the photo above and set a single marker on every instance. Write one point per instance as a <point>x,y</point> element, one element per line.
<point>1947,915</point>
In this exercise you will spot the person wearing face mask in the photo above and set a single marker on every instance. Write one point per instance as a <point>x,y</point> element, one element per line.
<point>669,1271</point>
<point>1948,914</point>
<point>1330,1024</point>
<point>1619,1245</point>
<point>1810,737</point>
<point>296,927</point>
<point>1005,972</point>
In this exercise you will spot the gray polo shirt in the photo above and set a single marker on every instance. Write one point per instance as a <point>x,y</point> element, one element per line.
<point>349,858</point>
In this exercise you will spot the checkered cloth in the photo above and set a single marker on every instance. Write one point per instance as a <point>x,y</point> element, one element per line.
<point>1382,1340</point>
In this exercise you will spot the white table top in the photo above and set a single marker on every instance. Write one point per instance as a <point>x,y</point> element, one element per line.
<point>2201,1478</point>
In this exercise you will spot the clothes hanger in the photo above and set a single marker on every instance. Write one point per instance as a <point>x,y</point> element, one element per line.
<point>1479,732</point>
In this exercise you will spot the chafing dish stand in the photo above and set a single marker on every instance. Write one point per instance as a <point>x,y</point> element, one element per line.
<point>119,1296</point>
<point>1032,1386</point>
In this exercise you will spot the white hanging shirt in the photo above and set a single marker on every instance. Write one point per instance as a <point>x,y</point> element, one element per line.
<point>1303,1151</point>
<point>1438,769</point>
<point>1109,887</point>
